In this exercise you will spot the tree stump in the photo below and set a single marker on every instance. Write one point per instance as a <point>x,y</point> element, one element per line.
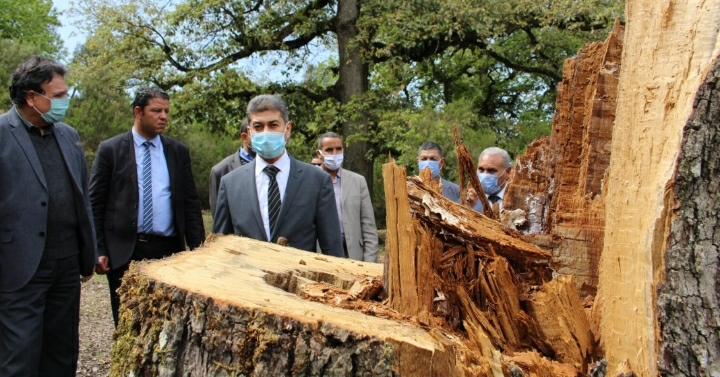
<point>243,307</point>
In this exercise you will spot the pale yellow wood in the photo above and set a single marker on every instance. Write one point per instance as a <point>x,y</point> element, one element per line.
<point>668,48</point>
<point>234,271</point>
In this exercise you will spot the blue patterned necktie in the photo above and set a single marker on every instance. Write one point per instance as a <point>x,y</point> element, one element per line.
<point>273,198</point>
<point>147,225</point>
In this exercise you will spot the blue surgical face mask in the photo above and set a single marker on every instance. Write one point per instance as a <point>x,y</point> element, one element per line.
<point>58,108</point>
<point>433,165</point>
<point>332,161</point>
<point>268,144</point>
<point>489,182</point>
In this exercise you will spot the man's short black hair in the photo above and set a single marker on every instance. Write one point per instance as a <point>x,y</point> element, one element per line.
<point>430,145</point>
<point>30,75</point>
<point>144,95</point>
<point>327,134</point>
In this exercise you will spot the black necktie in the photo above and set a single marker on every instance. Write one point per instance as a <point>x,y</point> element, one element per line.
<point>493,198</point>
<point>273,198</point>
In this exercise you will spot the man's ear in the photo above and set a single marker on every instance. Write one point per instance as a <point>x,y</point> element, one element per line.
<point>442,162</point>
<point>137,112</point>
<point>288,128</point>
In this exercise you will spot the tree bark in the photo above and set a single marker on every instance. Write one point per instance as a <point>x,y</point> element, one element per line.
<point>352,85</point>
<point>659,282</point>
<point>245,307</point>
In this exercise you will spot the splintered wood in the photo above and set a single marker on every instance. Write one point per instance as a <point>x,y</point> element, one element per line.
<point>557,184</point>
<point>478,277</point>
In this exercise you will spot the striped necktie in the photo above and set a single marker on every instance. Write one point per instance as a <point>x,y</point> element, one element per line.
<point>273,198</point>
<point>147,224</point>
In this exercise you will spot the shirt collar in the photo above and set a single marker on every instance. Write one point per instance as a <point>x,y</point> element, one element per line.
<point>139,140</point>
<point>244,155</point>
<point>29,126</point>
<point>283,164</point>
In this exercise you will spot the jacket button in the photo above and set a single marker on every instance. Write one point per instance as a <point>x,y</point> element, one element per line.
<point>42,234</point>
<point>134,223</point>
<point>44,204</point>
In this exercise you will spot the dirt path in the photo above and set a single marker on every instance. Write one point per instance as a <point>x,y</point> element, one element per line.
<point>96,328</point>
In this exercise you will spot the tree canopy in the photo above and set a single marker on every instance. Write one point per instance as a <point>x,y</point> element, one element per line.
<point>386,75</point>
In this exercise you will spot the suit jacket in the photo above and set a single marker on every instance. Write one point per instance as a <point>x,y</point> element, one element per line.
<point>223,167</point>
<point>307,214</point>
<point>450,190</point>
<point>114,194</point>
<point>358,217</point>
<point>24,197</point>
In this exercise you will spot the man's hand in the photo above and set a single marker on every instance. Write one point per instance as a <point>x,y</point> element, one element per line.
<point>84,279</point>
<point>472,197</point>
<point>103,265</point>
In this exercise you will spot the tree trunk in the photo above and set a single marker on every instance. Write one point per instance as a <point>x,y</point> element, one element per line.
<point>245,307</point>
<point>352,85</point>
<point>558,182</point>
<point>659,286</point>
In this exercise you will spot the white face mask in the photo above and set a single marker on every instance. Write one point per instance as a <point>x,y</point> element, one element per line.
<point>332,161</point>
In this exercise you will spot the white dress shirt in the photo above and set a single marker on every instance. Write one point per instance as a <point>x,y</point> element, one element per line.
<point>262,181</point>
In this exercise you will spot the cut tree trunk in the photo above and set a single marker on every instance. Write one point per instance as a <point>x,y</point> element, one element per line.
<point>659,286</point>
<point>558,182</point>
<point>245,307</point>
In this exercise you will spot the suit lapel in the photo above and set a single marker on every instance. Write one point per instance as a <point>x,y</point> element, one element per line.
<point>344,187</point>
<point>248,186</point>
<point>235,162</point>
<point>23,139</point>
<point>171,161</point>
<point>129,146</point>
<point>293,186</point>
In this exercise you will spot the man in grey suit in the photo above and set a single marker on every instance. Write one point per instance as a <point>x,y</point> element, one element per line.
<point>276,196</point>
<point>430,156</point>
<point>352,200</point>
<point>244,155</point>
<point>47,239</point>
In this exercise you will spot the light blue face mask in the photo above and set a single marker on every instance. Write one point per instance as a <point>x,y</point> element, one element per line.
<point>332,161</point>
<point>433,165</point>
<point>489,182</point>
<point>58,108</point>
<point>268,144</point>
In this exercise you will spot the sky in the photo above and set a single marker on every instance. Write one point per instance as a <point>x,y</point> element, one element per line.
<point>71,35</point>
<point>255,67</point>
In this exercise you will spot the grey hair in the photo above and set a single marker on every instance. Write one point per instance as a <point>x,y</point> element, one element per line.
<point>265,102</point>
<point>327,134</point>
<point>491,151</point>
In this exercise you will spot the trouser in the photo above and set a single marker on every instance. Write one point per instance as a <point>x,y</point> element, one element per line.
<point>39,322</point>
<point>152,247</point>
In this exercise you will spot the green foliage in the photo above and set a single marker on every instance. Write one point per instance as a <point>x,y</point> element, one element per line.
<point>13,54</point>
<point>100,106</point>
<point>206,150</point>
<point>31,22</point>
<point>490,68</point>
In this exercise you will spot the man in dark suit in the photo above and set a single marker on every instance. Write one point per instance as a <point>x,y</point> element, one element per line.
<point>276,195</point>
<point>46,236</point>
<point>244,155</point>
<point>430,156</point>
<point>143,194</point>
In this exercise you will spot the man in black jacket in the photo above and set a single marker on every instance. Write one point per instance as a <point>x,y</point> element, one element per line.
<point>143,194</point>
